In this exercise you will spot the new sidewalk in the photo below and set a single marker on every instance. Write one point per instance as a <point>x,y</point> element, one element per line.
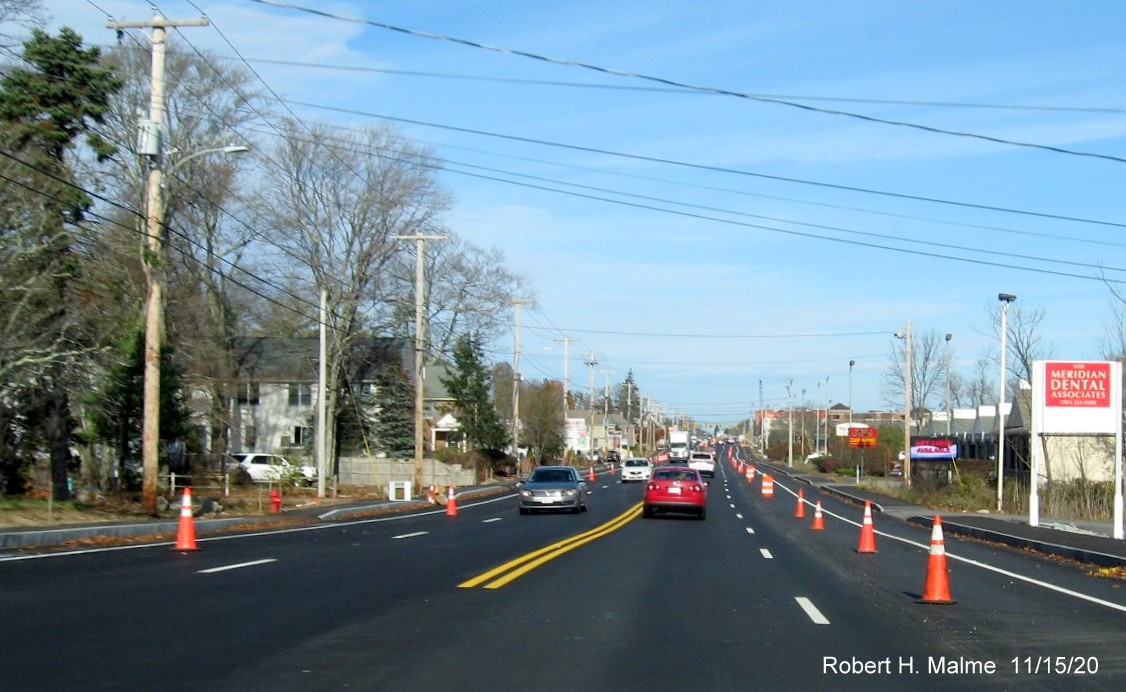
<point>1088,542</point>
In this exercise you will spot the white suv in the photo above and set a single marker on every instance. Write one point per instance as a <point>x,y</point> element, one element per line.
<point>704,462</point>
<point>263,468</point>
<point>636,469</point>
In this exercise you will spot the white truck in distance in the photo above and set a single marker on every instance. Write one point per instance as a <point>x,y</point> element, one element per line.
<point>678,444</point>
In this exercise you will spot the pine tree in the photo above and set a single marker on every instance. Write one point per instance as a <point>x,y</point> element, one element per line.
<point>44,110</point>
<point>470,384</point>
<point>394,421</point>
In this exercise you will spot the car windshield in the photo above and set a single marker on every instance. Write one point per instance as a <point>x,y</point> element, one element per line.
<point>552,476</point>
<point>636,462</point>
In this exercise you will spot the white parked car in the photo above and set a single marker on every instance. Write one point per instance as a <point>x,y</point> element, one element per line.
<point>636,469</point>
<point>704,462</point>
<point>263,468</point>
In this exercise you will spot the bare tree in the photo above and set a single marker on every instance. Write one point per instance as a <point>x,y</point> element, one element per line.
<point>928,367</point>
<point>332,207</point>
<point>981,389</point>
<point>1024,342</point>
<point>207,103</point>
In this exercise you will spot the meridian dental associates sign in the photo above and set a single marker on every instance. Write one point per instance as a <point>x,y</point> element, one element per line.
<point>1077,397</point>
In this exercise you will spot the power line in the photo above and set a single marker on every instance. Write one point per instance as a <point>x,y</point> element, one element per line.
<point>684,85</point>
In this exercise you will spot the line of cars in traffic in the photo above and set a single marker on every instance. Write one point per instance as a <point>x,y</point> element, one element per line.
<point>675,486</point>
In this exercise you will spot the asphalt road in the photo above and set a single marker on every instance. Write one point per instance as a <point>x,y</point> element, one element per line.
<point>752,598</point>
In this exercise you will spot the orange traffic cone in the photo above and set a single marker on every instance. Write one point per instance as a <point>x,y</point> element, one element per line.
<point>590,476</point>
<point>750,473</point>
<point>937,589</point>
<point>867,531</point>
<point>451,502</point>
<point>818,520</point>
<point>767,485</point>
<point>185,534</point>
<point>799,511</point>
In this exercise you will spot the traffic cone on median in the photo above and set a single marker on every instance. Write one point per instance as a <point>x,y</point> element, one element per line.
<point>799,511</point>
<point>937,589</point>
<point>185,534</point>
<point>818,520</point>
<point>451,502</point>
<point>867,531</point>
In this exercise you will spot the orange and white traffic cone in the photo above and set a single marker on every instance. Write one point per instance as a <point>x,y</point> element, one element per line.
<point>750,473</point>
<point>431,495</point>
<point>767,485</point>
<point>185,533</point>
<point>590,476</point>
<point>867,531</point>
<point>818,520</point>
<point>937,588</point>
<point>451,502</point>
<point>799,511</point>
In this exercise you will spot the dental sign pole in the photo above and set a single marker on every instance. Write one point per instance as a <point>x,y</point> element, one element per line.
<point>1075,399</point>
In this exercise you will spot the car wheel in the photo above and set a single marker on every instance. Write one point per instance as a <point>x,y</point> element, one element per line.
<point>703,514</point>
<point>647,512</point>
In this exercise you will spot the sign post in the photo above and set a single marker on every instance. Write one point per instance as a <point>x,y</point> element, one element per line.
<point>862,438</point>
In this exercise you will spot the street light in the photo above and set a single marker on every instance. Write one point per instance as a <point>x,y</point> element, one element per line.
<point>154,319</point>
<point>790,404</point>
<point>850,364</point>
<point>907,402</point>
<point>1006,299</point>
<point>948,412</point>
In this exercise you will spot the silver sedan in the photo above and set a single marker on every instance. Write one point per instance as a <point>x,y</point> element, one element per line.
<point>553,487</point>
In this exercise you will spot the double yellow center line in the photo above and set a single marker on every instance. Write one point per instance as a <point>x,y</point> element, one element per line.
<point>509,571</point>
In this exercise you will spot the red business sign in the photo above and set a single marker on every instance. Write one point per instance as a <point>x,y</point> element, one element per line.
<point>862,437</point>
<point>1077,385</point>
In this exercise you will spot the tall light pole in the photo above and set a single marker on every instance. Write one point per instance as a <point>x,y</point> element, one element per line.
<point>948,411</point>
<point>1006,299</point>
<point>804,410</point>
<point>851,363</point>
<point>790,404</point>
<point>908,384</point>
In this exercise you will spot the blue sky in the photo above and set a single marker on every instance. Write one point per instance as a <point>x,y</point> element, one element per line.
<point>707,241</point>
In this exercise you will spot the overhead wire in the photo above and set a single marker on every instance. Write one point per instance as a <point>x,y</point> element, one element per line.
<point>685,85</point>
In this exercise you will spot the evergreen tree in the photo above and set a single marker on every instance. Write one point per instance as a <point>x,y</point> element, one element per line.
<point>394,421</point>
<point>470,384</point>
<point>44,109</point>
<point>116,407</point>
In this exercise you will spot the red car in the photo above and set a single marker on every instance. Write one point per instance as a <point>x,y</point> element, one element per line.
<point>676,489</point>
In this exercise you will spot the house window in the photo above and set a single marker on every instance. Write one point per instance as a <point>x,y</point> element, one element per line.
<point>300,394</point>
<point>247,393</point>
<point>302,436</point>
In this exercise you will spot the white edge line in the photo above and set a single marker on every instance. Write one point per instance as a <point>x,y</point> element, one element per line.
<point>213,570</point>
<point>982,565</point>
<point>256,534</point>
<point>811,610</point>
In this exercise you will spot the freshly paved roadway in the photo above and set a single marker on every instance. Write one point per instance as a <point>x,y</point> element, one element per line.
<point>752,598</point>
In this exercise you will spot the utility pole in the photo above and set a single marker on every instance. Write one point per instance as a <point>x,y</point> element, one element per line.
<point>790,403</point>
<point>419,346</point>
<point>566,375</point>
<point>606,404</point>
<point>154,269</point>
<point>517,304</point>
<point>591,364</point>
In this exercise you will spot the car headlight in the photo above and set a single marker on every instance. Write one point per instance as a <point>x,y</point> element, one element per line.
<point>570,492</point>
<point>525,493</point>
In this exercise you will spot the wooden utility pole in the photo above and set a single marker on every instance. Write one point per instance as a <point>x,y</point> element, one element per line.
<point>419,347</point>
<point>150,146</point>
<point>516,303</point>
